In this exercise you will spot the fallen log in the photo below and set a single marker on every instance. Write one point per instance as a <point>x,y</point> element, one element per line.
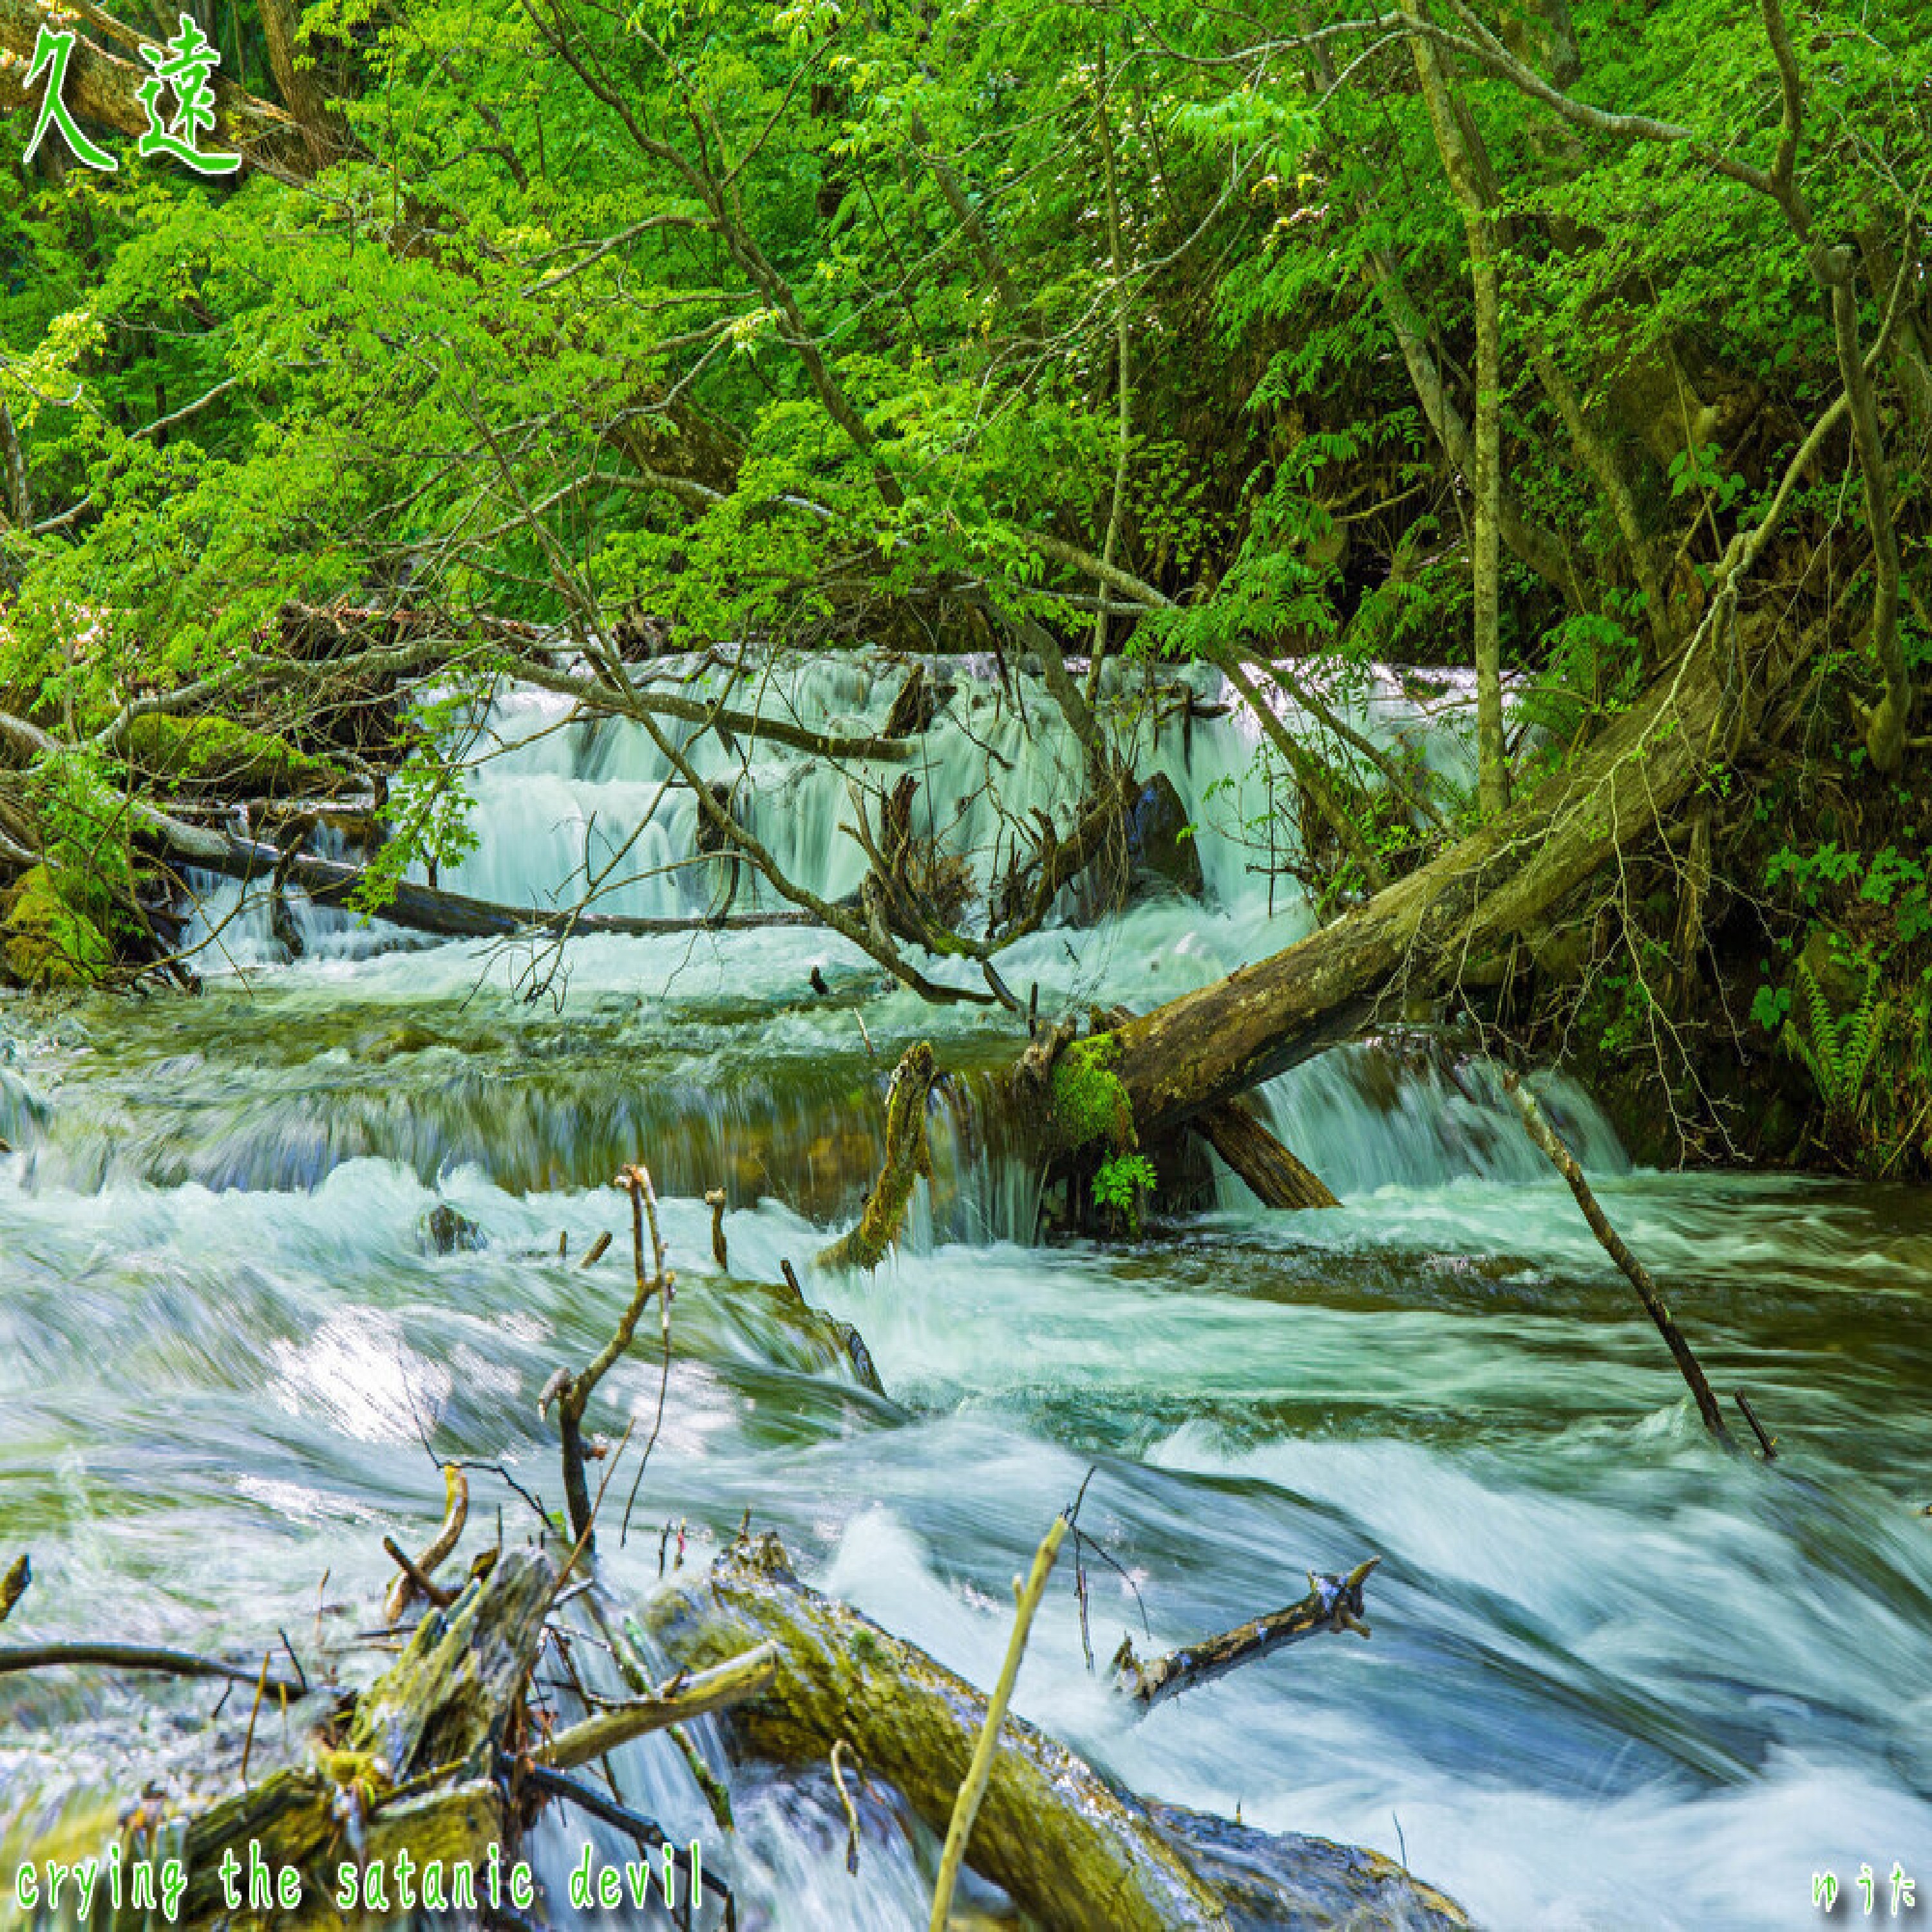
<point>418,908</point>
<point>1068,1846</point>
<point>1272,1173</point>
<point>1450,920</point>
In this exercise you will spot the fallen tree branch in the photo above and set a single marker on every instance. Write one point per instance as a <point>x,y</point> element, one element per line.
<point>415,1578</point>
<point>1332,1603</point>
<point>132,1656</point>
<point>416,1575</point>
<point>1546,1137</point>
<point>729,1683</point>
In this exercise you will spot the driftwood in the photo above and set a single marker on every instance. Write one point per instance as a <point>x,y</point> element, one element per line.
<point>1070,1848</point>
<point>1332,1603</point>
<point>1564,1162</point>
<point>907,1157</point>
<point>414,1579</point>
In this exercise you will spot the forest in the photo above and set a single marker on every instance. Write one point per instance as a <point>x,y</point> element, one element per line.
<point>1123,797</point>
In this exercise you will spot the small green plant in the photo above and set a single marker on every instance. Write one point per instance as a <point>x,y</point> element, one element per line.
<point>1121,1180</point>
<point>1091,1103</point>
<point>1837,1050</point>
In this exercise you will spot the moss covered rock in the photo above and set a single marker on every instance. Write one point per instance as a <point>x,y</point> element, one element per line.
<point>44,942</point>
<point>214,754</point>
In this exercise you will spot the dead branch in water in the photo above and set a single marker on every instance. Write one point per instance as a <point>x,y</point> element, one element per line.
<point>1070,1847</point>
<point>131,1656</point>
<point>416,1577</point>
<point>1546,1137</point>
<point>677,1702</point>
<point>571,1392</point>
<point>1332,1603</point>
<point>907,1159</point>
<point>972,1788</point>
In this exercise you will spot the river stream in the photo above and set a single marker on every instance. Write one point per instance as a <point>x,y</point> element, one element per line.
<point>1617,1678</point>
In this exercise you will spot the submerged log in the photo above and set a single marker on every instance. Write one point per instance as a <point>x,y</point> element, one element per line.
<point>1069,1847</point>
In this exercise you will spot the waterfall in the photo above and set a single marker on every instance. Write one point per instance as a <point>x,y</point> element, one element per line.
<point>558,802</point>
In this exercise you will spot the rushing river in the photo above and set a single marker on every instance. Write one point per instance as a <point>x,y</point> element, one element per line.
<point>1617,1678</point>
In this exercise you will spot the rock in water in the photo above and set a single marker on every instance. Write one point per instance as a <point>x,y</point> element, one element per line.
<point>447,1232</point>
<point>1161,851</point>
<point>1154,857</point>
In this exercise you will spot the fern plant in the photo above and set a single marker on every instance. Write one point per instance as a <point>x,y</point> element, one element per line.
<point>1837,1050</point>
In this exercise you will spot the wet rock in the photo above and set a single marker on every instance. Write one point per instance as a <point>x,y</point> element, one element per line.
<point>1155,856</point>
<point>23,1114</point>
<point>446,1232</point>
<point>1161,851</point>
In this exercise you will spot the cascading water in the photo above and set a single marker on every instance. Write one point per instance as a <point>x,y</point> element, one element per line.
<point>1617,1679</point>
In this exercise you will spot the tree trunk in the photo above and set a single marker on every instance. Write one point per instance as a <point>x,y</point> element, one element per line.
<point>300,91</point>
<point>1460,165</point>
<point>104,88</point>
<point>1453,917</point>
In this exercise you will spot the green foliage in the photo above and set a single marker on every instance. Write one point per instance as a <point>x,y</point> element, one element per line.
<point>1838,1051</point>
<point>218,752</point>
<point>1120,1182</point>
<point>1771,1006</point>
<point>1810,875</point>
